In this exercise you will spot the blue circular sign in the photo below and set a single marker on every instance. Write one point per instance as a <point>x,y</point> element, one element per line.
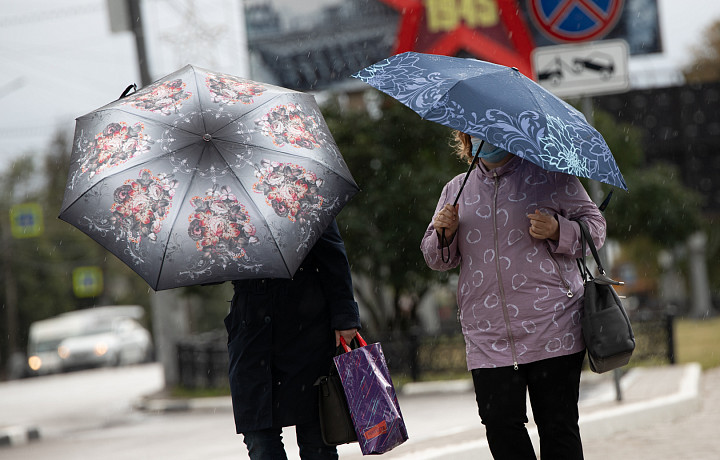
<point>575,20</point>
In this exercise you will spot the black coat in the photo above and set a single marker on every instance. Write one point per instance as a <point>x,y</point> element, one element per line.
<point>281,336</point>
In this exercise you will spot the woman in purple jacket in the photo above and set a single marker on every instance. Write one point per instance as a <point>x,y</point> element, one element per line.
<point>519,294</point>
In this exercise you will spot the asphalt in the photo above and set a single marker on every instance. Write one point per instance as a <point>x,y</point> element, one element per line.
<point>665,412</point>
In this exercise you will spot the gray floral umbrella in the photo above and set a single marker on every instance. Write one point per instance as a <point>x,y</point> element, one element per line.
<point>203,177</point>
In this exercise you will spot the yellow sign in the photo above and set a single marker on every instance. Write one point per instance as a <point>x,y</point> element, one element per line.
<point>446,15</point>
<point>87,281</point>
<point>26,220</point>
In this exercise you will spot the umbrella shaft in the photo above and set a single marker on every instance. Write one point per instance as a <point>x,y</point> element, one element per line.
<point>467,174</point>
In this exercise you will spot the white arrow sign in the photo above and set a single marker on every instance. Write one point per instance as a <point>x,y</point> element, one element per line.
<point>583,69</point>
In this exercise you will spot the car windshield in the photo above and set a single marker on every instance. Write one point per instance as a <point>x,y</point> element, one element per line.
<point>45,345</point>
<point>98,327</point>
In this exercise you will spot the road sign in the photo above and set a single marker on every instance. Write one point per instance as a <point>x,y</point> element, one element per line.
<point>575,20</point>
<point>87,281</point>
<point>583,69</point>
<point>26,220</point>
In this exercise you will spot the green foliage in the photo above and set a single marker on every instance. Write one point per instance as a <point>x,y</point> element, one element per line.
<point>401,162</point>
<point>659,206</point>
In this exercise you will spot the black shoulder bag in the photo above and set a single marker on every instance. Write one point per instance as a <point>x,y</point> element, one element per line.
<point>336,424</point>
<point>606,328</point>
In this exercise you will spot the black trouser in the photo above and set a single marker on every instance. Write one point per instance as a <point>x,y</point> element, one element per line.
<point>554,386</point>
<point>267,444</point>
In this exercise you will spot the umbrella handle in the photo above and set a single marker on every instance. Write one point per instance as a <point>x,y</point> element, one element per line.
<point>360,340</point>
<point>127,90</point>
<point>443,239</point>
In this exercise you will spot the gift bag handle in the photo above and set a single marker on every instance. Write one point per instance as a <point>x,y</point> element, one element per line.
<point>359,338</point>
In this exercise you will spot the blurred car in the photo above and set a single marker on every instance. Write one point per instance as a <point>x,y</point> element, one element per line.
<point>43,341</point>
<point>103,336</point>
<point>106,342</point>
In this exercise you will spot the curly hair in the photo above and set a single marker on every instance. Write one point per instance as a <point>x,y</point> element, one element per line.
<point>462,145</point>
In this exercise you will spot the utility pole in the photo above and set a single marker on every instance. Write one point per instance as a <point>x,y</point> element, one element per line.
<point>136,25</point>
<point>11,299</point>
<point>596,195</point>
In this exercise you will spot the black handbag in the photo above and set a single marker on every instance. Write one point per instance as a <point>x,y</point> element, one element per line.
<point>336,425</point>
<point>606,328</point>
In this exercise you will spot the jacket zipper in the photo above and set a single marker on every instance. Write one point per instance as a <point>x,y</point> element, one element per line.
<point>503,300</point>
<point>568,291</point>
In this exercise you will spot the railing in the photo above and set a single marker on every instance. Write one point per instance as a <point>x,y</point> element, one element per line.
<point>203,360</point>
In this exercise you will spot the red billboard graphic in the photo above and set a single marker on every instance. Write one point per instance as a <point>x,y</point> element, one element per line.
<point>492,30</point>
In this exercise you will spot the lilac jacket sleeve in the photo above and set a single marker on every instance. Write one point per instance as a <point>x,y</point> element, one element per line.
<point>573,207</point>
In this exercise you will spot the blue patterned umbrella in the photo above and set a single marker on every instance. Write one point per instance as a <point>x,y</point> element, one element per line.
<point>499,105</point>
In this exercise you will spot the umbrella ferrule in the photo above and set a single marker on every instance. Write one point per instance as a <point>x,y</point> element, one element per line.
<point>207,137</point>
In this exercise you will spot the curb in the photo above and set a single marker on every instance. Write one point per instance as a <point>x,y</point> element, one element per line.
<point>442,386</point>
<point>683,402</point>
<point>17,435</point>
<point>181,405</point>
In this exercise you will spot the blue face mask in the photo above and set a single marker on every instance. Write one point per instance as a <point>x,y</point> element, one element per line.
<point>488,152</point>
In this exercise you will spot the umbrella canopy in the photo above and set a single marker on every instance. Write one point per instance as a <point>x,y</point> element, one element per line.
<point>499,105</point>
<point>203,177</point>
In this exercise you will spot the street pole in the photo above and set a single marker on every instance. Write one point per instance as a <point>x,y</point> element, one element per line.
<point>11,299</point>
<point>596,194</point>
<point>136,25</point>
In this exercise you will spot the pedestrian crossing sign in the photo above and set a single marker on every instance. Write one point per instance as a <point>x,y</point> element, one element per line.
<point>26,220</point>
<point>87,281</point>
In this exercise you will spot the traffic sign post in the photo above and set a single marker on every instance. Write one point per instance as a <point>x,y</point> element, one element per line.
<point>586,69</point>
<point>575,20</point>
<point>87,281</point>
<point>26,220</point>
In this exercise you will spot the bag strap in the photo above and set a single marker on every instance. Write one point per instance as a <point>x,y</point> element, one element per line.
<point>586,240</point>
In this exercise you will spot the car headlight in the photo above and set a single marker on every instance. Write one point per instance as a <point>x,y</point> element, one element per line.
<point>63,352</point>
<point>35,363</point>
<point>100,348</point>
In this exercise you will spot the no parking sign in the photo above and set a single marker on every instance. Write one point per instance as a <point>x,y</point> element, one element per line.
<point>575,20</point>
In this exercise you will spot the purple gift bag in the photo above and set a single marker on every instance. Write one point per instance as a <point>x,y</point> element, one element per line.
<point>370,393</point>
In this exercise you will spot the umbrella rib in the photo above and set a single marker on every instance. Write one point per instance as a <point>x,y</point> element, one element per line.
<point>172,225</point>
<point>435,104</point>
<point>252,203</point>
<point>200,103</point>
<point>146,118</point>
<point>260,106</point>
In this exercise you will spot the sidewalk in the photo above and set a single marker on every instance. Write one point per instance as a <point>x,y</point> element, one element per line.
<point>650,396</point>
<point>667,412</point>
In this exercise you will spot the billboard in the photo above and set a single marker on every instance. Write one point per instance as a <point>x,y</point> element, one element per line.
<point>315,44</point>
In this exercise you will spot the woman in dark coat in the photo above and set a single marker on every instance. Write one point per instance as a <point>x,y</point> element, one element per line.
<point>282,335</point>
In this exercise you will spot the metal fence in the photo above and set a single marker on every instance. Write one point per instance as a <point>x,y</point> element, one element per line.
<point>203,360</point>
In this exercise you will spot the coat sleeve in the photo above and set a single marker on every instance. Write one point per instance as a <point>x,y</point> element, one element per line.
<point>430,245</point>
<point>575,203</point>
<point>330,258</point>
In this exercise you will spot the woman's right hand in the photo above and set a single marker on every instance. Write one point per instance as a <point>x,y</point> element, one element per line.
<point>448,219</point>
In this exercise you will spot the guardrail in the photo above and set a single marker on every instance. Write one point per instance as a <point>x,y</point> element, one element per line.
<point>203,360</point>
